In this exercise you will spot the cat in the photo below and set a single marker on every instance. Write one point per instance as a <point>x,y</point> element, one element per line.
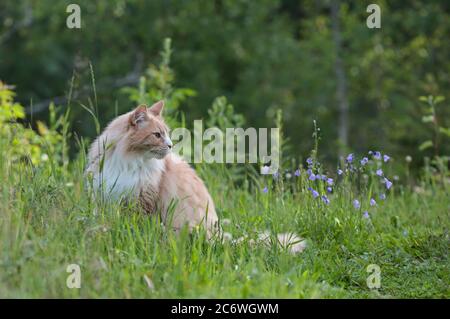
<point>132,159</point>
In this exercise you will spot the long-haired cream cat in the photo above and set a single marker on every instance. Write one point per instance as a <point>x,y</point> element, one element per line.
<point>132,159</point>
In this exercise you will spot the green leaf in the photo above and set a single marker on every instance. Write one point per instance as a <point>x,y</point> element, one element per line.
<point>439,99</point>
<point>445,131</point>
<point>425,145</point>
<point>428,118</point>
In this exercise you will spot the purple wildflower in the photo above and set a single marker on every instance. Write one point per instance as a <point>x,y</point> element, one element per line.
<point>312,177</point>
<point>297,173</point>
<point>377,155</point>
<point>339,171</point>
<point>356,204</point>
<point>275,175</point>
<point>314,193</point>
<point>325,199</point>
<point>330,181</point>
<point>309,161</point>
<point>364,161</point>
<point>349,158</point>
<point>366,215</point>
<point>265,170</point>
<point>373,202</point>
<point>388,183</point>
<point>329,189</point>
<point>323,177</point>
<point>379,172</point>
<point>386,158</point>
<point>265,189</point>
<point>382,196</point>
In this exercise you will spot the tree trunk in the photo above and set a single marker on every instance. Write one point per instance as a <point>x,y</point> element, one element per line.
<point>341,80</point>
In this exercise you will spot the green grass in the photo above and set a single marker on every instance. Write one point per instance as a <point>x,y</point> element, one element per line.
<point>47,222</point>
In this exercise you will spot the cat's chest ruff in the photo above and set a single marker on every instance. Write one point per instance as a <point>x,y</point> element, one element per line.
<point>129,176</point>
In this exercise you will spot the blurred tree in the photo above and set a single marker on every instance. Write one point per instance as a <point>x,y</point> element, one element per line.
<point>341,78</point>
<point>262,55</point>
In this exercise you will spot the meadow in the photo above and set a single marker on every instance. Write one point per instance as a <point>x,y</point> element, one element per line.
<point>375,223</point>
<point>48,221</point>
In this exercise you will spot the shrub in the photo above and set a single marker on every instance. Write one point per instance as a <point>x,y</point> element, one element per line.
<point>23,143</point>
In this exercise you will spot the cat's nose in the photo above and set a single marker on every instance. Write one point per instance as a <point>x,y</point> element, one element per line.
<point>168,142</point>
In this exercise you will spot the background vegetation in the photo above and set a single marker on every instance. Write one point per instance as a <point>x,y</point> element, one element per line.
<point>232,63</point>
<point>262,55</point>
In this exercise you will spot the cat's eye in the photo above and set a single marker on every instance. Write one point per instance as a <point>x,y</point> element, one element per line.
<point>157,134</point>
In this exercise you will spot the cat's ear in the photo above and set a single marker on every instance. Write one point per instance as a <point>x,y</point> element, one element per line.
<point>139,115</point>
<point>157,108</point>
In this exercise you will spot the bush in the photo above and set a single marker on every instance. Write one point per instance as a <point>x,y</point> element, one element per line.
<point>23,143</point>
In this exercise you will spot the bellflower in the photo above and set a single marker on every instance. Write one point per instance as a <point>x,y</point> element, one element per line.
<point>377,155</point>
<point>314,193</point>
<point>265,170</point>
<point>349,158</point>
<point>388,183</point>
<point>325,199</point>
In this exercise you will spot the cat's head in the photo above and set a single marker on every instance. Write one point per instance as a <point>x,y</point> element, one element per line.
<point>147,133</point>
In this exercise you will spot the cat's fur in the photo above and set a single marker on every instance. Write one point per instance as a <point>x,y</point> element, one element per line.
<point>132,159</point>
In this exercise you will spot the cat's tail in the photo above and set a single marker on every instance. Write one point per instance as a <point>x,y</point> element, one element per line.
<point>293,243</point>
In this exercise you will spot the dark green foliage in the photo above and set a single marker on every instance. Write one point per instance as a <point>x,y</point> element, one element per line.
<point>261,55</point>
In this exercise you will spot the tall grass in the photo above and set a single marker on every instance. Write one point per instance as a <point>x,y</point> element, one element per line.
<point>48,221</point>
